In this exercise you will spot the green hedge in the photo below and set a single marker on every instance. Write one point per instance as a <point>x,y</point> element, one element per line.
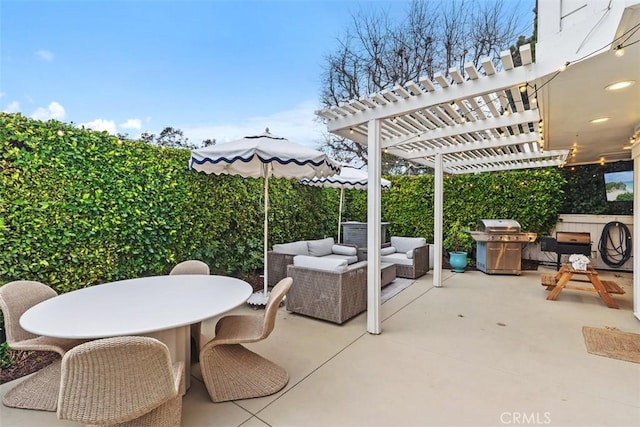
<point>80,207</point>
<point>531,197</point>
<point>591,198</point>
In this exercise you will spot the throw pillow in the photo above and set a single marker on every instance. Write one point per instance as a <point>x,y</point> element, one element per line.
<point>344,250</point>
<point>388,250</point>
<point>320,247</point>
<point>293,248</point>
<point>403,244</point>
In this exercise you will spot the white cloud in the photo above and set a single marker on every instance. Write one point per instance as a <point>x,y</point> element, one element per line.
<point>13,107</point>
<point>100,125</point>
<point>297,125</point>
<point>45,55</point>
<point>53,111</point>
<point>132,124</point>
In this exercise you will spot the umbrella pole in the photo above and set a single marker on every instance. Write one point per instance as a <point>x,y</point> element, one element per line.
<point>260,297</point>
<point>266,229</point>
<point>340,211</point>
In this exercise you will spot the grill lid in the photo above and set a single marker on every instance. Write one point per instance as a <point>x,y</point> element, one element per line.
<point>573,237</point>
<point>499,226</point>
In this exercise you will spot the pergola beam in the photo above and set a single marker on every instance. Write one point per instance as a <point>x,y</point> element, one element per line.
<point>477,145</point>
<point>469,127</point>
<point>386,109</point>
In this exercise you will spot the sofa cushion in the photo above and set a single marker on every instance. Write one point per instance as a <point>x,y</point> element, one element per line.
<point>387,251</point>
<point>349,258</point>
<point>323,263</point>
<point>410,253</point>
<point>320,247</point>
<point>344,250</point>
<point>403,244</point>
<point>293,248</point>
<point>397,258</point>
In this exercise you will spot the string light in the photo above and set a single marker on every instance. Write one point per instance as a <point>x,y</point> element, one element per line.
<point>619,51</point>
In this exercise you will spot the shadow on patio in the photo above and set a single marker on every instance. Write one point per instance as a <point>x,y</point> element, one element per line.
<point>482,350</point>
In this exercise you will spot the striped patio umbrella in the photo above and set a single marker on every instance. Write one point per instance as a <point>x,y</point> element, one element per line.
<point>263,156</point>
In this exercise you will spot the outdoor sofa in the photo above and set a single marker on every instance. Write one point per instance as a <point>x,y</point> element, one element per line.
<point>282,255</point>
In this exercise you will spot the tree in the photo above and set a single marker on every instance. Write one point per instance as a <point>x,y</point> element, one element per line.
<point>208,142</point>
<point>147,137</point>
<point>375,53</point>
<point>172,137</point>
<point>169,137</point>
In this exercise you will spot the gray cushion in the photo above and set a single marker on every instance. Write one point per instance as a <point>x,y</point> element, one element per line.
<point>388,250</point>
<point>320,247</point>
<point>403,244</point>
<point>324,263</point>
<point>294,248</point>
<point>344,250</point>
<point>350,258</point>
<point>410,253</point>
<point>397,258</point>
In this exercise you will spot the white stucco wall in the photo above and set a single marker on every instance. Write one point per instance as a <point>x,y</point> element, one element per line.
<point>570,29</point>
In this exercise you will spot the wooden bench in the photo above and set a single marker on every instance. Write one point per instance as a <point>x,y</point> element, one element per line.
<point>560,281</point>
<point>549,281</point>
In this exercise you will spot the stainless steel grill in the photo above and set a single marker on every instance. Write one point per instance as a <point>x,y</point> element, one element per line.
<point>499,246</point>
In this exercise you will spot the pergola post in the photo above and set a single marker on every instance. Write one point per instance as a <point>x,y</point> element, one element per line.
<point>438,196</point>
<point>374,218</point>
<point>635,154</point>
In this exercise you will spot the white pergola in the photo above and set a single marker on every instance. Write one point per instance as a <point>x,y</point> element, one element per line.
<point>468,121</point>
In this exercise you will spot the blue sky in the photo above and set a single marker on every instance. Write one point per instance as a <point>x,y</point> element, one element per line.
<point>214,69</point>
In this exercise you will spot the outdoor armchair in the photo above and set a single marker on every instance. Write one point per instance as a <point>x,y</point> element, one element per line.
<point>327,289</point>
<point>230,370</point>
<point>409,254</point>
<point>192,266</point>
<point>124,381</point>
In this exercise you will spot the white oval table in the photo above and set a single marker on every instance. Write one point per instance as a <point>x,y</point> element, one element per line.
<point>162,307</point>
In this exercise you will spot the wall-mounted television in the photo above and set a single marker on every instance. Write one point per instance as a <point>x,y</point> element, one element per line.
<point>619,186</point>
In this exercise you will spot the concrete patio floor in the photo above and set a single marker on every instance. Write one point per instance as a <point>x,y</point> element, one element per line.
<point>480,351</point>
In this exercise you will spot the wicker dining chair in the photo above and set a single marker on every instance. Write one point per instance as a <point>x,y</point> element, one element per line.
<point>39,391</point>
<point>230,370</point>
<point>124,381</point>
<point>16,298</point>
<point>192,266</point>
